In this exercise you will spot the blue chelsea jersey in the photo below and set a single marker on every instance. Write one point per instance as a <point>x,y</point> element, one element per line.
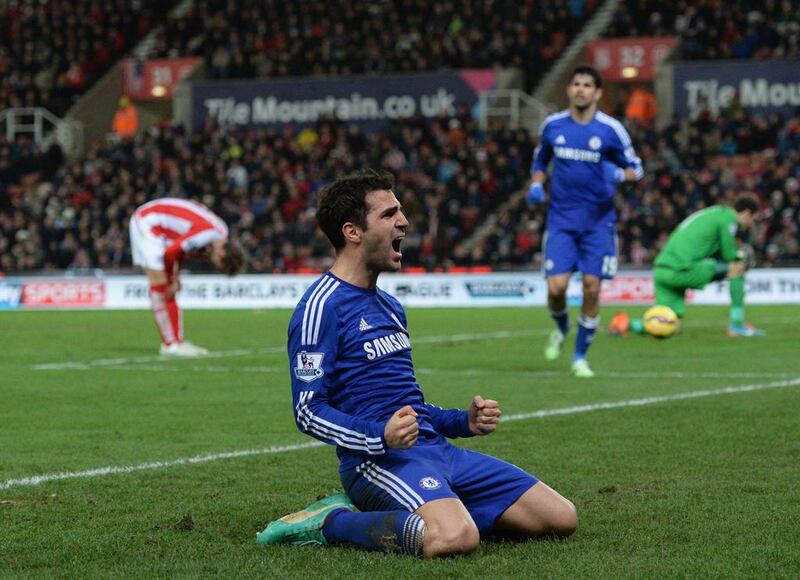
<point>580,195</point>
<point>351,370</point>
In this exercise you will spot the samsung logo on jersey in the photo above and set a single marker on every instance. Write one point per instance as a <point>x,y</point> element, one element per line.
<point>577,154</point>
<point>386,345</point>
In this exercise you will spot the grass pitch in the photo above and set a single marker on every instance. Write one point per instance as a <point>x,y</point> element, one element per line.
<point>115,463</point>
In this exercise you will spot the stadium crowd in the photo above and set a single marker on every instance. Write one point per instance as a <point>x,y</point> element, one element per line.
<point>57,213</point>
<point>51,52</point>
<point>60,214</point>
<point>74,214</point>
<point>710,29</point>
<point>274,38</point>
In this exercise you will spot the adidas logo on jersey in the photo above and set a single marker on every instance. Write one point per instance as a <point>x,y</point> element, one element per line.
<point>364,325</point>
<point>560,140</point>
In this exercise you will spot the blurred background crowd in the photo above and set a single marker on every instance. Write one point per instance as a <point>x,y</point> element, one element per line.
<point>459,183</point>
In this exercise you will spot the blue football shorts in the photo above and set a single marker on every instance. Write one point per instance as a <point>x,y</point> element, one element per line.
<point>592,251</point>
<point>406,479</point>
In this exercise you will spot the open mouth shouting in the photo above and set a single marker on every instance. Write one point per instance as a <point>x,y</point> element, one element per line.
<point>396,243</point>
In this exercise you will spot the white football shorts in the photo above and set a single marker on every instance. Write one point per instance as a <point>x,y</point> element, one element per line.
<point>147,250</point>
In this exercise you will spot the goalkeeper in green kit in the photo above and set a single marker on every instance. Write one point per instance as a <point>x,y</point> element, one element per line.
<point>702,249</point>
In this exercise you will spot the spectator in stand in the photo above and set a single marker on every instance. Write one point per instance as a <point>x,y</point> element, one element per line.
<point>641,106</point>
<point>126,120</point>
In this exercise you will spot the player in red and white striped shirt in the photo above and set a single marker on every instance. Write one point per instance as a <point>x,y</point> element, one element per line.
<point>164,232</point>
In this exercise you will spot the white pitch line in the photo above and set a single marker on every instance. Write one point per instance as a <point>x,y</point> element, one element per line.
<point>653,400</point>
<point>39,479</point>
<point>115,362</point>
<point>198,369</point>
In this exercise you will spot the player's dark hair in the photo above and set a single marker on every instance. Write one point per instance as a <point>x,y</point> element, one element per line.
<point>747,202</point>
<point>234,259</point>
<point>590,71</point>
<point>344,201</point>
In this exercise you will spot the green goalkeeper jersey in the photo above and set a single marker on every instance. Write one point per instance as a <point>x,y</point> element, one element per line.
<point>708,233</point>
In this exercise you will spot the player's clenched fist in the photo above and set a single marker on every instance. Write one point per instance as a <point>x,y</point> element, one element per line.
<point>484,415</point>
<point>402,429</point>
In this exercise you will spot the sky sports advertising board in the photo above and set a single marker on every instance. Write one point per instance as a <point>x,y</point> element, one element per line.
<point>263,291</point>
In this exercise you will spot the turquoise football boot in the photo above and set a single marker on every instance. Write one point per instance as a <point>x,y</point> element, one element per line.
<point>746,329</point>
<point>305,527</point>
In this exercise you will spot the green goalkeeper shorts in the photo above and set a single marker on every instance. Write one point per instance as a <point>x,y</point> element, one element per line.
<point>671,284</point>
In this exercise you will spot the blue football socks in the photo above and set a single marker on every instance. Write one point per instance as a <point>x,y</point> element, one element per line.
<point>587,327</point>
<point>562,320</point>
<point>395,531</point>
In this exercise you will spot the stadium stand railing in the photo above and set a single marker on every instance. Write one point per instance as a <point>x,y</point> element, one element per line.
<point>43,126</point>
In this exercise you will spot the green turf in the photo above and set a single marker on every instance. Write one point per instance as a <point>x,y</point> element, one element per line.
<point>701,487</point>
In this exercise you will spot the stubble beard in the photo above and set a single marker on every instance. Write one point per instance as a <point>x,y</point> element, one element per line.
<point>582,108</point>
<point>379,262</point>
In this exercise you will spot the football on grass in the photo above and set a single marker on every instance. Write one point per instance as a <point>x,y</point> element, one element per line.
<point>661,321</point>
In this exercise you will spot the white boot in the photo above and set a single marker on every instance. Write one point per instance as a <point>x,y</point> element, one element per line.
<point>183,349</point>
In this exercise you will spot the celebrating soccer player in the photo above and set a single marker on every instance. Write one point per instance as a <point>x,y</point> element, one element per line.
<point>164,232</point>
<point>590,152</point>
<point>353,386</point>
<point>700,250</point>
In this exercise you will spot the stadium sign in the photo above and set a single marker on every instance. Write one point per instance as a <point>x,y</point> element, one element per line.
<point>762,287</point>
<point>10,295</point>
<point>155,78</point>
<point>267,291</point>
<point>501,288</point>
<point>368,101</point>
<point>246,291</point>
<point>629,59</point>
<point>763,86</point>
<point>64,294</point>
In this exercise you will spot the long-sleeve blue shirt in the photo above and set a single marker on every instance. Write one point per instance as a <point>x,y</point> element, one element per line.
<point>351,368</point>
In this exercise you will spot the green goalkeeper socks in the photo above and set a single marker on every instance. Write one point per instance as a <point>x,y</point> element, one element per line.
<point>737,316</point>
<point>737,301</point>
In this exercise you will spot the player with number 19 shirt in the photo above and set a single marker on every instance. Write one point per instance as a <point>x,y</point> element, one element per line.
<point>590,153</point>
